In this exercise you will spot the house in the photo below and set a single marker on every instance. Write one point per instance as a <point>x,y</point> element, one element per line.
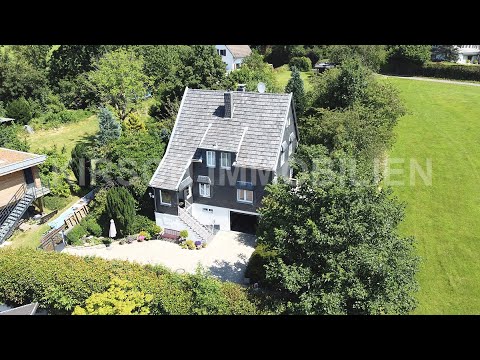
<point>322,66</point>
<point>29,309</point>
<point>20,187</point>
<point>224,149</point>
<point>467,54</point>
<point>233,55</point>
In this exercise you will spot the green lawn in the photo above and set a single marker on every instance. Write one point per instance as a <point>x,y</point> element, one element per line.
<point>442,125</point>
<point>283,75</point>
<point>68,135</point>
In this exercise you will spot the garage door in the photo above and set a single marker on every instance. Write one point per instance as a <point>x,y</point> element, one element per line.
<point>243,222</point>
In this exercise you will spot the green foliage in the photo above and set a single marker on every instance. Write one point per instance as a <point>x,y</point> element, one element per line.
<point>371,56</point>
<point>35,55</point>
<point>120,81</point>
<point>134,123</point>
<point>54,202</point>
<point>80,164</point>
<point>91,226</point>
<point>146,235</point>
<point>255,267</point>
<point>156,229</point>
<point>10,137</point>
<point>27,276</point>
<point>121,298</point>
<point>402,57</point>
<point>337,245</point>
<point>454,72</point>
<point>143,223</point>
<point>110,128</point>
<point>190,244</point>
<point>75,235</point>
<point>184,234</point>
<point>120,207</point>
<point>253,71</point>
<point>78,93</point>
<point>52,119</point>
<point>54,172</point>
<point>20,109</point>
<point>302,63</point>
<point>295,85</point>
<point>445,53</point>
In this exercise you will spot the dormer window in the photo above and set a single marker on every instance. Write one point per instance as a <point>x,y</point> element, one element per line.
<point>211,159</point>
<point>225,161</point>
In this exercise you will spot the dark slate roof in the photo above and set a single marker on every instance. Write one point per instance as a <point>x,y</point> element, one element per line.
<point>29,309</point>
<point>254,132</point>
<point>239,51</point>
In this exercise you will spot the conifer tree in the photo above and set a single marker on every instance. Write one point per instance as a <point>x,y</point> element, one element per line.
<point>295,85</point>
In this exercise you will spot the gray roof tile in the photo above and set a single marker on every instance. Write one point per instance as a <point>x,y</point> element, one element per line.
<point>263,116</point>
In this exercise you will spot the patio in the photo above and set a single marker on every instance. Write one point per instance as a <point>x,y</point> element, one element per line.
<point>226,256</point>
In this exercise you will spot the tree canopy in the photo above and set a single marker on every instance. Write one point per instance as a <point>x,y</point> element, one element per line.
<point>295,86</point>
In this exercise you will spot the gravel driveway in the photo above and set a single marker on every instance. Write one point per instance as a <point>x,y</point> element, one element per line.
<point>226,256</point>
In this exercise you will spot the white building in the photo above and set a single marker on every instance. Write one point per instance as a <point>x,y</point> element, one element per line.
<point>468,53</point>
<point>233,55</point>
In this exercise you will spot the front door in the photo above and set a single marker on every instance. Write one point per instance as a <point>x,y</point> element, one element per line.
<point>29,179</point>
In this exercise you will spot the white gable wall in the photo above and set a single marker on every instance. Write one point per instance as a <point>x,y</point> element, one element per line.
<point>228,58</point>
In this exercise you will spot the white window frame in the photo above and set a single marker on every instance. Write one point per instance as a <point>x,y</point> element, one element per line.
<point>208,163</point>
<point>161,199</point>
<point>204,190</point>
<point>282,158</point>
<point>189,194</point>
<point>290,148</point>
<point>244,193</point>
<point>289,121</point>
<point>229,160</point>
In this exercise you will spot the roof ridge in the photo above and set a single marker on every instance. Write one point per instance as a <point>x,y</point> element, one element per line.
<point>240,92</point>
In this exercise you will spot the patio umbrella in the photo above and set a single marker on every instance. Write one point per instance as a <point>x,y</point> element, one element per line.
<point>113,230</point>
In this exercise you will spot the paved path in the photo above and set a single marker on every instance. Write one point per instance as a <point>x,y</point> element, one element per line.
<point>433,80</point>
<point>226,256</point>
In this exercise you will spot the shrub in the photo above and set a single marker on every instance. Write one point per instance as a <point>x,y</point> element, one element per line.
<point>155,229</point>
<point>91,226</point>
<point>27,276</point>
<point>255,268</point>
<point>455,72</point>
<point>190,244</point>
<point>301,63</point>
<point>142,223</point>
<point>121,208</point>
<point>53,202</point>
<point>107,241</point>
<point>74,236</point>
<point>468,61</point>
<point>184,234</point>
<point>475,61</point>
<point>21,110</point>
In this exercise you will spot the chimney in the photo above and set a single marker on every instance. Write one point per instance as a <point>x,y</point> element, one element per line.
<point>228,97</point>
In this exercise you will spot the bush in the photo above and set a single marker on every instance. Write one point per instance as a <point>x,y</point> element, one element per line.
<point>301,63</point>
<point>27,276</point>
<point>190,244</point>
<point>76,234</point>
<point>156,229</point>
<point>475,61</point>
<point>121,208</point>
<point>454,72</point>
<point>184,234</point>
<point>146,235</point>
<point>91,226</point>
<point>143,223</point>
<point>53,202</point>
<point>21,110</point>
<point>255,268</point>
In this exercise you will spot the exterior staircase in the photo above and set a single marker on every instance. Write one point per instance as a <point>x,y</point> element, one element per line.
<point>201,230</point>
<point>11,214</point>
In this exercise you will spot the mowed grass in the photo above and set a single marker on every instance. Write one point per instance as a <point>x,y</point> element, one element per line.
<point>442,124</point>
<point>67,135</point>
<point>283,75</point>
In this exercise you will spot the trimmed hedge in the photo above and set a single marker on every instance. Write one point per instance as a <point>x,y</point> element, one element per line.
<point>255,268</point>
<point>439,70</point>
<point>59,282</point>
<point>302,63</point>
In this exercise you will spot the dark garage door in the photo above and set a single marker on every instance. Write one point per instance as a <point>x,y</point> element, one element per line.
<point>243,222</point>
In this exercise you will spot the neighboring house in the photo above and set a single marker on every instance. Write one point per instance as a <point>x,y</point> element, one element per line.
<point>29,309</point>
<point>20,187</point>
<point>322,66</point>
<point>468,53</point>
<point>224,148</point>
<point>233,55</point>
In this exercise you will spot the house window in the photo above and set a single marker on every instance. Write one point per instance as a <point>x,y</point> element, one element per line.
<point>289,121</point>
<point>291,173</point>
<point>187,193</point>
<point>223,52</point>
<point>207,210</point>
<point>290,148</point>
<point>204,190</point>
<point>245,196</point>
<point>165,198</point>
<point>282,158</point>
<point>210,158</point>
<point>225,162</point>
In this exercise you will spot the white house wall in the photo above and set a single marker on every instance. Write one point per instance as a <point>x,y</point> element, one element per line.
<point>167,221</point>
<point>228,58</point>
<point>219,216</point>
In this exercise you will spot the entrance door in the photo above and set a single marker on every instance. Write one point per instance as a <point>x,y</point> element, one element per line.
<point>29,179</point>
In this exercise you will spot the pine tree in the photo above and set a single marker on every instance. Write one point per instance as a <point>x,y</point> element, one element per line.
<point>295,85</point>
<point>121,208</point>
<point>110,128</point>
<point>134,123</point>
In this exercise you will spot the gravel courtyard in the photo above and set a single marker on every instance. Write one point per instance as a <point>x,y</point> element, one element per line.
<point>226,256</point>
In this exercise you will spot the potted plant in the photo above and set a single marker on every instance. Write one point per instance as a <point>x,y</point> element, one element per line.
<point>184,234</point>
<point>107,242</point>
<point>198,244</point>
<point>140,238</point>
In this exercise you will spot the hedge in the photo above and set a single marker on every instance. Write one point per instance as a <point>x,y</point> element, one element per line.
<point>301,63</point>
<point>59,282</point>
<point>438,70</point>
<point>255,268</point>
